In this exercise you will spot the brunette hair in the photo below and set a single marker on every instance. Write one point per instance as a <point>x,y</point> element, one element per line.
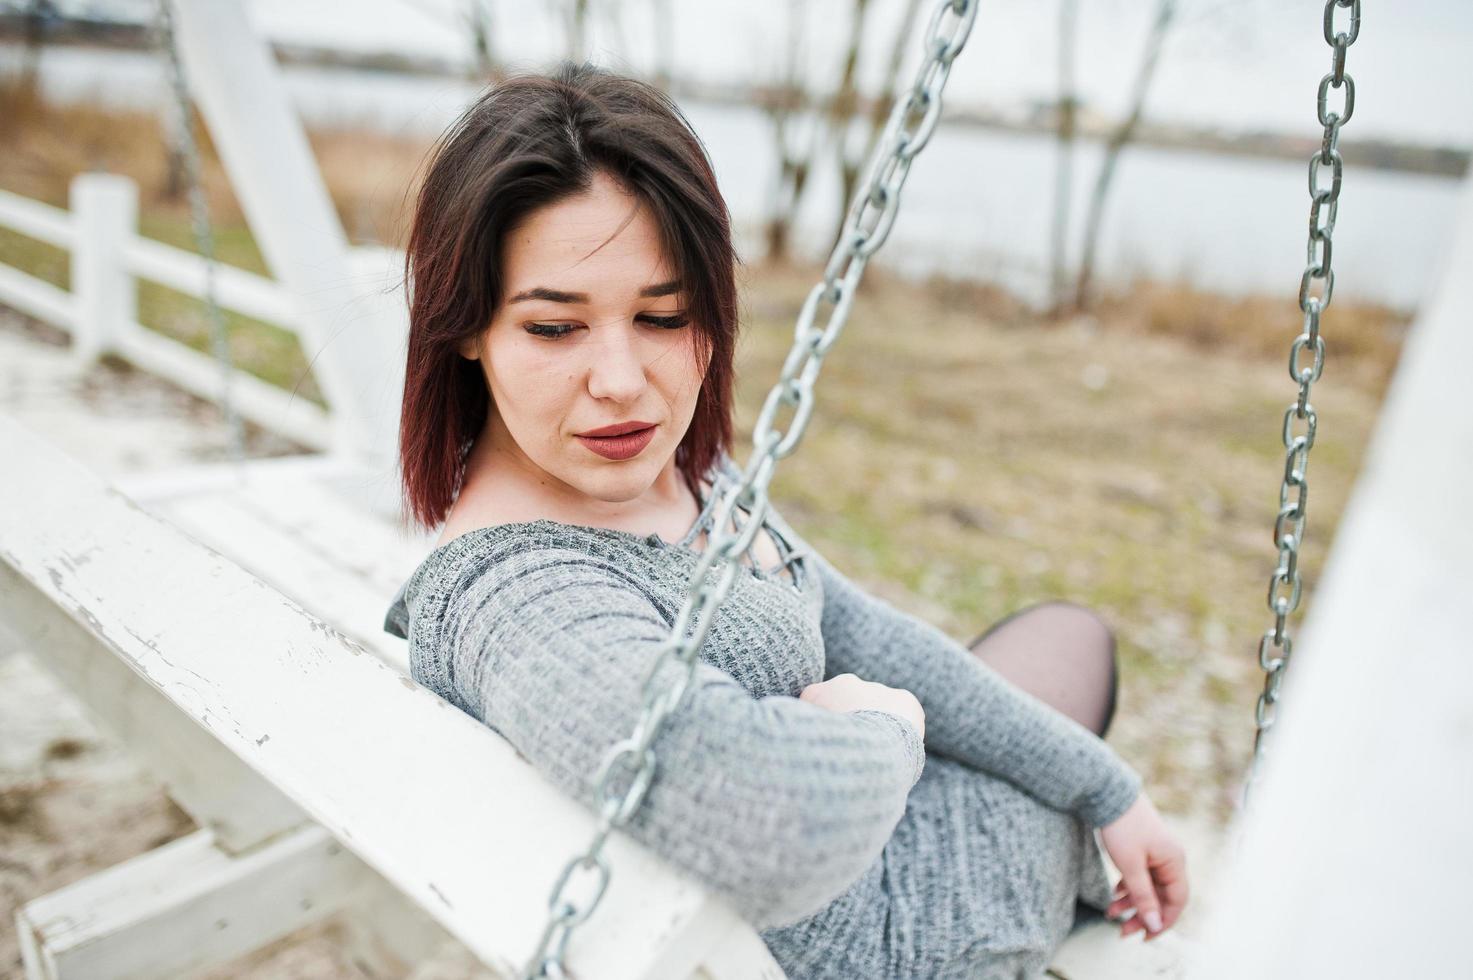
<point>527,142</point>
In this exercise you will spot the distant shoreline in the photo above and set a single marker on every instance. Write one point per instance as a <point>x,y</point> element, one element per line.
<point>1380,154</point>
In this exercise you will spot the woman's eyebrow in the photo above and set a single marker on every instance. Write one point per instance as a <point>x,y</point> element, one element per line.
<point>560,296</point>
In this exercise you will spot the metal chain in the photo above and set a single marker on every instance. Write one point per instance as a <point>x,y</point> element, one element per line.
<point>200,220</point>
<point>867,223</point>
<point>1285,584</point>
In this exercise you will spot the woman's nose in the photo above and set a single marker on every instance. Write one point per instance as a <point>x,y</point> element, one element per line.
<point>617,368</point>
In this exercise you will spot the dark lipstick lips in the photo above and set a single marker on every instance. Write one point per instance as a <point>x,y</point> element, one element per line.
<point>618,429</point>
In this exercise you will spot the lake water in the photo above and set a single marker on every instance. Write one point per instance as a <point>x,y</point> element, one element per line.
<point>977,202</point>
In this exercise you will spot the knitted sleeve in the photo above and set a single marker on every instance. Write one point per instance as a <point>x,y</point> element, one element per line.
<point>775,803</point>
<point>973,714</point>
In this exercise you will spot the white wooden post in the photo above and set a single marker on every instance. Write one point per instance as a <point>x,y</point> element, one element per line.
<point>1357,844</point>
<point>105,215</point>
<point>354,343</point>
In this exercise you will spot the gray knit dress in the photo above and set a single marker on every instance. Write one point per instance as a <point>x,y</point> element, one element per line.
<point>856,851</point>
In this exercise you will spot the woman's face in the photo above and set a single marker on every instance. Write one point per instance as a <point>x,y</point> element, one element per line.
<point>592,332</point>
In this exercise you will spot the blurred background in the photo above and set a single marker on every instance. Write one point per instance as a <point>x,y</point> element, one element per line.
<point>1065,377</point>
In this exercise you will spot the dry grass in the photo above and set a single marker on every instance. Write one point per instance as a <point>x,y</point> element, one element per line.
<point>371,177</point>
<point>966,457</point>
<point>1366,335</point>
<point>47,146</point>
<point>963,465</point>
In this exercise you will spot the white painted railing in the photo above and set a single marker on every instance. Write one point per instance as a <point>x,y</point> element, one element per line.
<point>100,311</point>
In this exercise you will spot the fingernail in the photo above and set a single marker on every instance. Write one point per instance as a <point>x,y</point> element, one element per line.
<point>1153,921</point>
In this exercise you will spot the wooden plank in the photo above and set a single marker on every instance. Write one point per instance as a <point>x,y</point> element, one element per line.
<point>279,521</point>
<point>158,484</point>
<point>332,590</point>
<point>185,906</point>
<point>186,272</point>
<point>742,956</point>
<point>265,153</point>
<point>389,936</point>
<point>317,499</point>
<point>1095,951</point>
<point>449,814</point>
<point>259,401</point>
<point>210,783</point>
<point>37,298</point>
<point>219,791</point>
<point>376,550</point>
<point>36,219</point>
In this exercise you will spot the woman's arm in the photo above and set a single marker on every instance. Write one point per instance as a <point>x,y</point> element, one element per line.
<point>775,803</point>
<point>973,714</point>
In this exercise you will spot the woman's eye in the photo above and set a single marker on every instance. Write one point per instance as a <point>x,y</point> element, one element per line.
<point>556,330</point>
<point>668,322</point>
<point>549,329</point>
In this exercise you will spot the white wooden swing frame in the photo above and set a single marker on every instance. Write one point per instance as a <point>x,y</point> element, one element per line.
<point>273,735</point>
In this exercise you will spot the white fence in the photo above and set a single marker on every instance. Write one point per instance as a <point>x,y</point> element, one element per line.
<point>100,311</point>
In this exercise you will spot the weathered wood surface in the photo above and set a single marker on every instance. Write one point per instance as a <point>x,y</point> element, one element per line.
<point>422,793</point>
<point>185,906</point>
<point>290,529</point>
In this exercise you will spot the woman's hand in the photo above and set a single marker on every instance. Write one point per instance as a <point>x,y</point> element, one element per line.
<point>1153,869</point>
<point>847,692</point>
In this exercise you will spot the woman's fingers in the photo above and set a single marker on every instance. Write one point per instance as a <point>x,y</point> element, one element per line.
<point>1120,904</point>
<point>1143,896</point>
<point>1171,883</point>
<point>1158,893</point>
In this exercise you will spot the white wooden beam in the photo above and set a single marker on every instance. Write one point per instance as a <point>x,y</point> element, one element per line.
<point>37,298</point>
<point>185,272</point>
<point>353,340</point>
<point>212,785</point>
<point>105,219</point>
<point>37,219</point>
<point>259,401</point>
<point>185,906</point>
<point>293,561</point>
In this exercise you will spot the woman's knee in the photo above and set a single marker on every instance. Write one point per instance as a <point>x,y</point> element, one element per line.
<point>1058,635</point>
<point>1090,622</point>
<point>1077,619</point>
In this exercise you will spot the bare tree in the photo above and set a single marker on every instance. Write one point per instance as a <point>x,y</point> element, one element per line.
<point>787,105</point>
<point>664,11</point>
<point>37,14</point>
<point>576,15</point>
<point>842,105</point>
<point>478,16</point>
<point>1119,137</point>
<point>879,108</point>
<point>1065,116</point>
<point>614,25</point>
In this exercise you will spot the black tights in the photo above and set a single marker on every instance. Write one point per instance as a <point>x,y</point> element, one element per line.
<point>1062,654</point>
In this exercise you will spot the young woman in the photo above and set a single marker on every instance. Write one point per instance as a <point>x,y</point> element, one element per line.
<point>878,800</point>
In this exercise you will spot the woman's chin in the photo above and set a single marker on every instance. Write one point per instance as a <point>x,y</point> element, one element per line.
<point>615,481</point>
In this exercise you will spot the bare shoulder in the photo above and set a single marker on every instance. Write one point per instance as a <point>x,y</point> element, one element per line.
<point>476,508</point>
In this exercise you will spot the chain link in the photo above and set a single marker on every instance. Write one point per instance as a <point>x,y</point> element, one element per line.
<point>1286,584</point>
<point>867,224</point>
<point>200,221</point>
